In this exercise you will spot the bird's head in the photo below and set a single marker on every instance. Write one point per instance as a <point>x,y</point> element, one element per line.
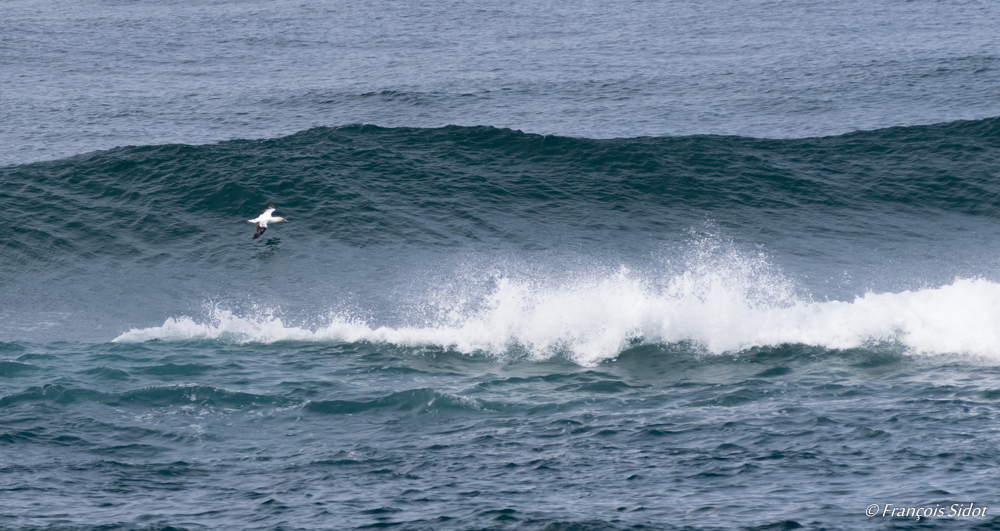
<point>277,219</point>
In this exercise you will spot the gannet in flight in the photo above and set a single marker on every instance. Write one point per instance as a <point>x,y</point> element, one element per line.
<point>263,219</point>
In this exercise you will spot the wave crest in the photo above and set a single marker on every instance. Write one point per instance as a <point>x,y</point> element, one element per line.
<point>723,310</point>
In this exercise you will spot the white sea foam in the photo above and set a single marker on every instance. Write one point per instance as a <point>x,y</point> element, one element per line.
<point>724,307</point>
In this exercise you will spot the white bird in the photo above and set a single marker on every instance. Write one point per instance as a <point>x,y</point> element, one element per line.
<point>263,219</point>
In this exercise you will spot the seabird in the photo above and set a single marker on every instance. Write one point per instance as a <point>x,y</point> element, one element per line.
<point>263,219</point>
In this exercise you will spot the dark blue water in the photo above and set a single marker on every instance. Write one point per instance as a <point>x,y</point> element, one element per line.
<point>79,76</point>
<point>560,267</point>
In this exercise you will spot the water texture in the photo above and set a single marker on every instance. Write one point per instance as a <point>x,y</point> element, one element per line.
<point>79,76</point>
<point>546,266</point>
<point>481,328</point>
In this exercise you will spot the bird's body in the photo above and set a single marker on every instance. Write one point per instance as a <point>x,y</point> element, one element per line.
<point>263,219</point>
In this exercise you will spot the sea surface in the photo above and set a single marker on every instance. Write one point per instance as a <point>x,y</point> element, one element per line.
<point>556,266</point>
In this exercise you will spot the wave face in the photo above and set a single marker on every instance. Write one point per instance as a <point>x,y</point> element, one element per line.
<point>476,328</point>
<point>490,239</point>
<point>365,186</point>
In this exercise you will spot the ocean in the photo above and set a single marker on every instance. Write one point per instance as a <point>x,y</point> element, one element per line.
<point>547,266</point>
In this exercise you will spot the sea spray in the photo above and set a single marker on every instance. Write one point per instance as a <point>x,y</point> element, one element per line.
<point>593,320</point>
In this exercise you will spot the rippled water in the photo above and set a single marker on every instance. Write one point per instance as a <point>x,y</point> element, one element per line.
<point>205,435</point>
<point>99,74</point>
<point>522,285</point>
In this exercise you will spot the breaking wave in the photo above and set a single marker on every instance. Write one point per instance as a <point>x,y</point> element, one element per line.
<point>590,321</point>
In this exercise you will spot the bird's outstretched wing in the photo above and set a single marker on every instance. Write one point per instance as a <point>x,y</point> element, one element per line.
<point>260,230</point>
<point>267,211</point>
